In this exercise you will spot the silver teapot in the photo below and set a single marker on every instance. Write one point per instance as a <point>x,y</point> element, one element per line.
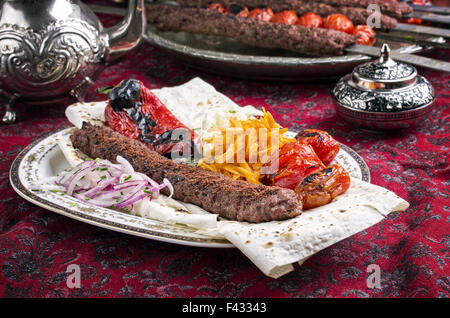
<point>53,50</point>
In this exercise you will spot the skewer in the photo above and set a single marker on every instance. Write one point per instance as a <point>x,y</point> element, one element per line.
<point>432,9</point>
<point>436,42</point>
<point>417,60</point>
<point>425,30</point>
<point>430,17</point>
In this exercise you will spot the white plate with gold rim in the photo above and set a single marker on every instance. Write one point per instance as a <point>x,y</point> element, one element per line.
<point>44,158</point>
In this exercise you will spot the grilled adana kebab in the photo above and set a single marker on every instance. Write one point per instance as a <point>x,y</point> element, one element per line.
<point>393,8</point>
<point>215,192</point>
<point>358,14</point>
<point>305,40</point>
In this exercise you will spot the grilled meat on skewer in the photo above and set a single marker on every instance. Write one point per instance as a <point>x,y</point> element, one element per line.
<point>357,14</point>
<point>392,8</point>
<point>217,193</point>
<point>308,41</point>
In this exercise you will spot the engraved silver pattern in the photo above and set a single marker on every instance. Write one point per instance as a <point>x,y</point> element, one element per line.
<point>60,52</point>
<point>384,101</point>
<point>52,50</point>
<point>374,72</point>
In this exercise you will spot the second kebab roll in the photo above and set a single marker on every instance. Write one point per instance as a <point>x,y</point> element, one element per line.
<point>304,40</point>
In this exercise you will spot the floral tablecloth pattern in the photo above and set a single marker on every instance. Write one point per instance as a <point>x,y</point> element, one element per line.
<point>411,248</point>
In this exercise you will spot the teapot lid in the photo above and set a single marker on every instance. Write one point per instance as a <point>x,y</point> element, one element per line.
<point>384,73</point>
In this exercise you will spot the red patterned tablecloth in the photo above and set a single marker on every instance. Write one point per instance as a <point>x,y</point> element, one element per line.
<point>411,248</point>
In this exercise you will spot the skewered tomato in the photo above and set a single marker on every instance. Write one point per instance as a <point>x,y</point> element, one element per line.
<point>416,20</point>
<point>218,7</point>
<point>325,146</point>
<point>238,10</point>
<point>311,20</point>
<point>338,22</point>
<point>321,187</point>
<point>285,17</point>
<point>261,14</point>
<point>296,160</point>
<point>366,33</point>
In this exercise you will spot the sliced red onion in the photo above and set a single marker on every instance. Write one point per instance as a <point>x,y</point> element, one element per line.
<point>125,164</point>
<point>100,187</point>
<point>119,186</point>
<point>169,185</point>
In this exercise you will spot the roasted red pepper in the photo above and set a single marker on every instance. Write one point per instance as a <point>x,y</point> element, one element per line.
<point>134,111</point>
<point>325,146</point>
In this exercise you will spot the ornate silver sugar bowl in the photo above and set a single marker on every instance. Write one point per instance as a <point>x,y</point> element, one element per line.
<point>51,50</point>
<point>384,94</point>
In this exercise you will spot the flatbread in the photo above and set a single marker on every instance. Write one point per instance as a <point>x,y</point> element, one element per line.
<point>272,246</point>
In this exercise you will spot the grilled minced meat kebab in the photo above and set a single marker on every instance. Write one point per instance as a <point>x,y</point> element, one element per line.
<point>393,8</point>
<point>308,41</point>
<point>356,13</point>
<point>214,192</point>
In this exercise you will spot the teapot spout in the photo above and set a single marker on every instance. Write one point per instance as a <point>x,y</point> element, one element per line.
<point>126,35</point>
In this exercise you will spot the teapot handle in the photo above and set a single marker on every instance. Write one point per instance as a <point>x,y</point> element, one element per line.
<point>126,35</point>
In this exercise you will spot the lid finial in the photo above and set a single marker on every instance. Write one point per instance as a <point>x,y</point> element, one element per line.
<point>385,54</point>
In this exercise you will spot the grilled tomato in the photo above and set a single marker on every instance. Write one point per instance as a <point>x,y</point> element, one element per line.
<point>285,17</point>
<point>338,22</point>
<point>261,14</point>
<point>311,20</point>
<point>366,33</point>
<point>325,146</point>
<point>296,160</point>
<point>322,186</point>
<point>217,7</point>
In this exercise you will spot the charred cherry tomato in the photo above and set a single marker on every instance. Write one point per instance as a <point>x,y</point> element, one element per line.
<point>285,17</point>
<point>296,160</point>
<point>320,187</point>
<point>366,35</point>
<point>243,13</point>
<point>261,14</point>
<point>238,10</point>
<point>412,21</point>
<point>338,22</point>
<point>310,20</point>
<point>325,146</point>
<point>416,20</point>
<point>217,7</point>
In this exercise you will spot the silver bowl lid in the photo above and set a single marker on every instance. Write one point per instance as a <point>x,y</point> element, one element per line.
<point>383,85</point>
<point>384,73</point>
